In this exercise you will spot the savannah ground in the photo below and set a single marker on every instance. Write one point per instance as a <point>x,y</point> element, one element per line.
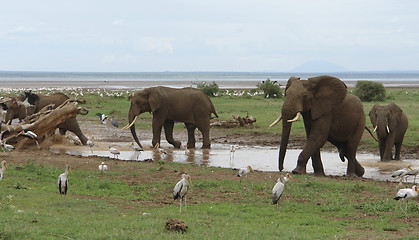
<point>133,200</point>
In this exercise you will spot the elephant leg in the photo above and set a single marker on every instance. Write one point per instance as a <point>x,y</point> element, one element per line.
<point>317,163</point>
<point>156,125</point>
<point>73,126</point>
<point>388,145</point>
<point>398,146</point>
<point>191,135</point>
<point>204,128</point>
<point>314,143</point>
<point>168,130</point>
<point>381,148</point>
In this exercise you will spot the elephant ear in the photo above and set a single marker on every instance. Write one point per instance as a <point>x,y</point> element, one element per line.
<point>395,115</point>
<point>154,99</point>
<point>373,118</point>
<point>289,82</point>
<point>328,93</point>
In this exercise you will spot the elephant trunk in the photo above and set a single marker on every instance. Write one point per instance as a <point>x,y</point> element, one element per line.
<point>132,118</point>
<point>382,128</point>
<point>286,128</point>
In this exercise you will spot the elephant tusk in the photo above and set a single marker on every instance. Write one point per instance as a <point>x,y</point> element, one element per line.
<point>129,125</point>
<point>276,121</point>
<point>295,118</point>
<point>388,129</point>
<point>375,129</point>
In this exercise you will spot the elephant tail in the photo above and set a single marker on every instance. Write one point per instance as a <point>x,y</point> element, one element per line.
<point>372,135</point>
<point>215,114</point>
<point>85,112</point>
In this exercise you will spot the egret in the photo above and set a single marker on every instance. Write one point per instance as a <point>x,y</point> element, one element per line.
<point>279,188</point>
<point>114,122</point>
<point>401,173</point>
<point>181,189</point>
<point>3,168</point>
<point>63,181</point>
<point>244,172</point>
<point>114,151</point>
<point>103,167</point>
<point>161,150</point>
<point>406,193</point>
<point>102,117</point>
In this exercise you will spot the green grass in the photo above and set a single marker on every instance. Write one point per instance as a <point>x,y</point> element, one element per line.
<point>103,207</point>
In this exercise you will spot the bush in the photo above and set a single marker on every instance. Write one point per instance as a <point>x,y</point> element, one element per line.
<point>209,89</point>
<point>369,91</point>
<point>270,89</point>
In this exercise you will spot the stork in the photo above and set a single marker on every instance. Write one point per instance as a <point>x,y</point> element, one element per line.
<point>401,173</point>
<point>244,172</point>
<point>406,193</point>
<point>279,188</point>
<point>103,167</point>
<point>3,168</point>
<point>159,149</point>
<point>181,189</point>
<point>114,122</point>
<point>102,117</point>
<point>63,181</point>
<point>114,151</point>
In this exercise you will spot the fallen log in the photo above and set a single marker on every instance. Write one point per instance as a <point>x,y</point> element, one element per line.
<point>236,122</point>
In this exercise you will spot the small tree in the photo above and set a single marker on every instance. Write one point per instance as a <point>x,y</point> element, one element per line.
<point>270,89</point>
<point>369,91</point>
<point>209,89</point>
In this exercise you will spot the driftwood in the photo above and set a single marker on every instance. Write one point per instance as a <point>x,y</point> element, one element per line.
<point>236,122</point>
<point>42,123</point>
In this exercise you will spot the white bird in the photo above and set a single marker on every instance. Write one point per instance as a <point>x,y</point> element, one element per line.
<point>114,122</point>
<point>232,151</point>
<point>28,134</point>
<point>114,151</point>
<point>181,189</point>
<point>136,148</point>
<point>187,151</point>
<point>8,146</point>
<point>406,193</point>
<point>63,181</point>
<point>3,168</point>
<point>102,117</point>
<point>103,167</point>
<point>401,173</point>
<point>412,172</point>
<point>91,143</point>
<point>244,172</point>
<point>279,188</point>
<point>161,150</point>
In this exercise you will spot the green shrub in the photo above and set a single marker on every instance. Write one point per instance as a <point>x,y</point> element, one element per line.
<point>270,89</point>
<point>211,89</point>
<point>369,91</point>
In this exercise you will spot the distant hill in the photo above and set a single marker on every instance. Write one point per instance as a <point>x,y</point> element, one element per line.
<point>319,66</point>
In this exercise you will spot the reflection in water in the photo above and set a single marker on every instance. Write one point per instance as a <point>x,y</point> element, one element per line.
<point>260,158</point>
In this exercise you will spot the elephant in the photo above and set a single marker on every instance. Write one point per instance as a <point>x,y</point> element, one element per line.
<point>390,123</point>
<point>33,103</point>
<point>188,105</point>
<point>329,114</point>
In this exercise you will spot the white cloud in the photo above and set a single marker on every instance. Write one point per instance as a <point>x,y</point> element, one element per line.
<point>156,44</point>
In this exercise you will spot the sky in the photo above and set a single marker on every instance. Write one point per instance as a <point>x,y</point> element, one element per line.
<point>208,35</point>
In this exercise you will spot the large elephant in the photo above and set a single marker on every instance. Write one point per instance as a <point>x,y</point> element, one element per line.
<point>329,114</point>
<point>188,105</point>
<point>32,103</point>
<point>390,123</point>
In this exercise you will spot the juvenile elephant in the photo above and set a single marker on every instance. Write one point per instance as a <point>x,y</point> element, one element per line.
<point>188,105</point>
<point>35,102</point>
<point>329,115</point>
<point>390,123</point>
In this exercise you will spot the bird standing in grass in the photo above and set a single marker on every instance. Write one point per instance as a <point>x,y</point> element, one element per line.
<point>63,181</point>
<point>103,167</point>
<point>279,188</point>
<point>114,151</point>
<point>181,189</point>
<point>244,172</point>
<point>406,193</point>
<point>114,122</point>
<point>3,168</point>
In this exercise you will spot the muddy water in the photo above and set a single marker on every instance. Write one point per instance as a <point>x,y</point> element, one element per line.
<point>260,158</point>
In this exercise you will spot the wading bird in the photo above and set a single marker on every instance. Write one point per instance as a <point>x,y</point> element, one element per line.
<point>91,143</point>
<point>279,188</point>
<point>406,193</point>
<point>114,122</point>
<point>3,168</point>
<point>8,146</point>
<point>63,181</point>
<point>232,151</point>
<point>103,167</point>
<point>161,150</point>
<point>114,151</point>
<point>244,172</point>
<point>187,151</point>
<point>401,173</point>
<point>136,148</point>
<point>102,117</point>
<point>181,189</point>
<point>28,134</point>
<point>413,172</point>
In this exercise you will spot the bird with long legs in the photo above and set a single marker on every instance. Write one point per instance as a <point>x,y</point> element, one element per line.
<point>181,188</point>
<point>406,193</point>
<point>114,122</point>
<point>63,181</point>
<point>244,172</point>
<point>159,149</point>
<point>401,174</point>
<point>103,168</point>
<point>232,151</point>
<point>279,187</point>
<point>413,172</point>
<point>114,151</point>
<point>3,168</point>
